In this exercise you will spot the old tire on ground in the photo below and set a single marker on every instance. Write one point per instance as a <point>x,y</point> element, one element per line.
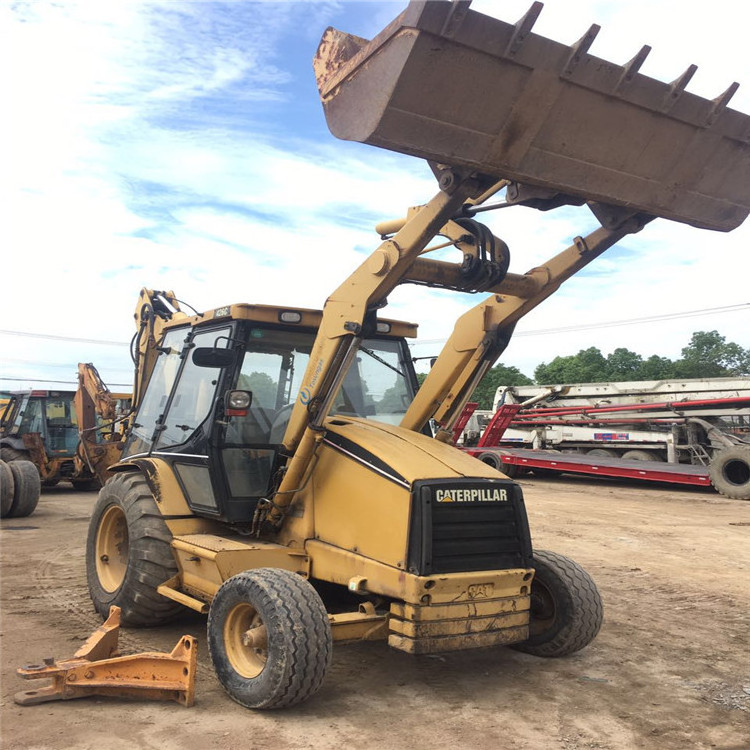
<point>128,553</point>
<point>493,460</point>
<point>729,472</point>
<point>269,638</point>
<point>636,455</point>
<point>566,608</point>
<point>26,489</point>
<point>7,485</point>
<point>7,453</point>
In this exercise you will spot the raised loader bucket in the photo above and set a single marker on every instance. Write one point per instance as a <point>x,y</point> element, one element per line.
<point>454,86</point>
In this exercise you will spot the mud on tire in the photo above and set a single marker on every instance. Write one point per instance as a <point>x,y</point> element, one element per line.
<point>286,661</point>
<point>128,553</point>
<point>566,608</point>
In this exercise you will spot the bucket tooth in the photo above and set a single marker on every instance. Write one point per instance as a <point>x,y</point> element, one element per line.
<point>580,48</point>
<point>522,29</point>
<point>455,18</point>
<point>677,87</point>
<point>632,67</point>
<point>720,103</point>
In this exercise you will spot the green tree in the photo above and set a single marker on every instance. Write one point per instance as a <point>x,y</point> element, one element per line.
<point>657,368</point>
<point>499,375</point>
<point>484,393</point>
<point>588,366</point>
<point>262,386</point>
<point>623,364</point>
<point>709,355</point>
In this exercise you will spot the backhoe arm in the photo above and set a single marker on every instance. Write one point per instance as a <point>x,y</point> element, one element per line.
<point>93,399</point>
<point>153,310</point>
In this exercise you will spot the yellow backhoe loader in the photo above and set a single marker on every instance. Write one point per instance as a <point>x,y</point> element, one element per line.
<point>279,473</point>
<point>102,418</point>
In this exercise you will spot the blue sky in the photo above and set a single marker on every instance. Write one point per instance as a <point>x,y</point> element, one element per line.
<point>182,145</point>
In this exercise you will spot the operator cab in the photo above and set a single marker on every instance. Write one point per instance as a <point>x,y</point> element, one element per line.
<point>226,458</point>
<point>49,414</point>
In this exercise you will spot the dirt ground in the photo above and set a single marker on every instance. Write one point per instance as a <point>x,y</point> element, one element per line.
<point>670,668</point>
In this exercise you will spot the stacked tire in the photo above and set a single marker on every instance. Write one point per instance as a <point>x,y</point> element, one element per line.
<point>20,488</point>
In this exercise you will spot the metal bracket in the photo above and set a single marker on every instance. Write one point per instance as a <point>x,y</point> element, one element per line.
<point>98,669</point>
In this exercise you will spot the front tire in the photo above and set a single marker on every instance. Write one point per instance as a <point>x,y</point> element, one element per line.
<point>128,553</point>
<point>269,638</point>
<point>566,608</point>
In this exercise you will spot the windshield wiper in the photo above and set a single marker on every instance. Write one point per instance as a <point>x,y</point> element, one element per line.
<point>381,360</point>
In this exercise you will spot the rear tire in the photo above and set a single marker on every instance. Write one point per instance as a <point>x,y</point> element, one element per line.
<point>26,489</point>
<point>493,459</point>
<point>128,553</point>
<point>636,455</point>
<point>269,637</point>
<point>7,486</point>
<point>566,608</point>
<point>729,472</point>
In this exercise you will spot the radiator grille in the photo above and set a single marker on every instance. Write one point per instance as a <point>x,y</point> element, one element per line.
<point>456,536</point>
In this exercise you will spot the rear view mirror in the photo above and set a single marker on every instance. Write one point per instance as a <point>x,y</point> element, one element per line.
<point>210,356</point>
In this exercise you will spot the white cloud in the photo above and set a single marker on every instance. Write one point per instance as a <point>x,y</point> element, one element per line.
<point>143,150</point>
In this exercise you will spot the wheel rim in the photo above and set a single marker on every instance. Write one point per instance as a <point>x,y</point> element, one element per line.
<point>542,608</point>
<point>112,549</point>
<point>245,640</point>
<point>737,472</point>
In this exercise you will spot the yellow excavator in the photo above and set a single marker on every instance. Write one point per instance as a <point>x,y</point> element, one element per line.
<point>280,473</point>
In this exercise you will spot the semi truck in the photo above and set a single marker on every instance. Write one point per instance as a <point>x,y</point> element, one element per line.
<point>690,422</point>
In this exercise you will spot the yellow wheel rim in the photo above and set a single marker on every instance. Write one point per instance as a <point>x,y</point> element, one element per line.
<point>112,548</point>
<point>245,640</point>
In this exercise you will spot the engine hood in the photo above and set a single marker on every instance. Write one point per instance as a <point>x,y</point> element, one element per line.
<point>402,455</point>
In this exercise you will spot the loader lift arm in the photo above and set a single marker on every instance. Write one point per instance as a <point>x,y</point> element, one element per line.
<point>480,335</point>
<point>424,65</point>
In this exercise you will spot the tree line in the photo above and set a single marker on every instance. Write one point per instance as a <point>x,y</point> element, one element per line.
<point>708,355</point>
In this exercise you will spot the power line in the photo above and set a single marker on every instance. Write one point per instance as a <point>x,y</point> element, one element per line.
<point>614,323</point>
<point>63,382</point>
<point>539,332</point>
<point>52,337</point>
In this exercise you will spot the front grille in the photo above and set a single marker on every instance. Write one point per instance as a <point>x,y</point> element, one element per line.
<point>457,526</point>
